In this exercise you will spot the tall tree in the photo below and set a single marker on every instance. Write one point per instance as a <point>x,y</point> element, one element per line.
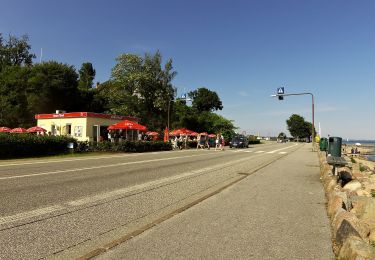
<point>145,84</point>
<point>13,97</point>
<point>298,127</point>
<point>86,76</point>
<point>15,51</point>
<point>205,100</point>
<point>52,86</point>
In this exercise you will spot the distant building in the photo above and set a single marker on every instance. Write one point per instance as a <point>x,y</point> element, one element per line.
<point>84,126</point>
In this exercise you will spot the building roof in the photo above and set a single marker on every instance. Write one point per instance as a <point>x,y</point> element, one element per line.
<point>84,114</point>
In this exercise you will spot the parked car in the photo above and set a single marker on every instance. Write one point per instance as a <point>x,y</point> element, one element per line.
<point>239,141</point>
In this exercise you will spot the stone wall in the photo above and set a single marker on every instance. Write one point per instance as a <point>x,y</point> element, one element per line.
<point>351,209</point>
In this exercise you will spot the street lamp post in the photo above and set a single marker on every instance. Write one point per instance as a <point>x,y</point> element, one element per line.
<point>312,99</point>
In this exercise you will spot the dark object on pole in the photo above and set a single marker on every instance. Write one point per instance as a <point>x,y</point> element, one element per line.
<point>280,97</point>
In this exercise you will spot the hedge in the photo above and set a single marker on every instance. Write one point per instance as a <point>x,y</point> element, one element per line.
<point>30,145</point>
<point>126,146</point>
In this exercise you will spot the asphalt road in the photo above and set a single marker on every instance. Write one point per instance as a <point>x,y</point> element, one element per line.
<point>66,208</point>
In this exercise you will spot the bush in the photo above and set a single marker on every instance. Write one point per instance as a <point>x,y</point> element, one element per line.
<point>126,146</point>
<point>254,141</point>
<point>30,145</point>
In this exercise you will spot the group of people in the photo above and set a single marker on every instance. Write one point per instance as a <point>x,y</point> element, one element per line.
<point>203,142</point>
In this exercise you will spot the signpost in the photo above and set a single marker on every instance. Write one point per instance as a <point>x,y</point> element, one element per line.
<point>280,94</point>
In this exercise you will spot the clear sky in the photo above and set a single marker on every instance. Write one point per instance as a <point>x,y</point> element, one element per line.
<point>243,50</point>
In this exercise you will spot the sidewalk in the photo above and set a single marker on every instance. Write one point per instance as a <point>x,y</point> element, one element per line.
<point>276,213</point>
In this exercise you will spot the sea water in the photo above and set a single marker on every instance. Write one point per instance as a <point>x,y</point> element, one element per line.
<point>370,157</point>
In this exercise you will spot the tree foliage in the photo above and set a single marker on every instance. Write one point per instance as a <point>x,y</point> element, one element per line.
<point>86,76</point>
<point>205,100</point>
<point>52,86</point>
<point>15,51</point>
<point>141,86</point>
<point>298,127</point>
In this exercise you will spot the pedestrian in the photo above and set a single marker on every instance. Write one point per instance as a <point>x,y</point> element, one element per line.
<point>217,141</point>
<point>222,143</point>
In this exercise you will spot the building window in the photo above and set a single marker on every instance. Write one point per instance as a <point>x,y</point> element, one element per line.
<point>68,129</point>
<point>78,131</point>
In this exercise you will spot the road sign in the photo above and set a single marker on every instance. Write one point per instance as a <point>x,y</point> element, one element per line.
<point>280,90</point>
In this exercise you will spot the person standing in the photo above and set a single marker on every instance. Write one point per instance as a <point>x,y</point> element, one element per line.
<point>217,141</point>
<point>222,144</point>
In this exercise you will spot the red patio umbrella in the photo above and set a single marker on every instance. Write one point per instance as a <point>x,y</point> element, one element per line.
<point>152,133</point>
<point>18,130</point>
<point>5,129</point>
<point>36,129</point>
<point>194,134</point>
<point>181,131</point>
<point>128,125</point>
<point>204,133</point>
<point>211,135</point>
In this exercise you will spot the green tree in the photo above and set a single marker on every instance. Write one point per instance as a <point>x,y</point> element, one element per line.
<point>142,86</point>
<point>15,51</point>
<point>52,86</point>
<point>298,127</point>
<point>205,100</point>
<point>13,97</point>
<point>86,76</point>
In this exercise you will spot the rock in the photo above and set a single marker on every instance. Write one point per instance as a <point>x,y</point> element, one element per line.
<point>355,248</point>
<point>363,193</point>
<point>329,184</point>
<point>352,186</point>
<point>346,224</point>
<point>334,204</point>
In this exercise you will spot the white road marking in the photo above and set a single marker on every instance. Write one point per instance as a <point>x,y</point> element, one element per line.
<point>115,193</point>
<point>274,151</point>
<point>283,152</point>
<point>259,152</point>
<point>30,214</point>
<point>97,167</point>
<point>83,158</point>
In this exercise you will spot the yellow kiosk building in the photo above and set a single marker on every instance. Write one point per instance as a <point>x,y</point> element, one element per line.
<point>84,126</point>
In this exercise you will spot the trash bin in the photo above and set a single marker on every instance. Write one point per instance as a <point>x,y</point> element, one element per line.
<point>323,143</point>
<point>334,146</point>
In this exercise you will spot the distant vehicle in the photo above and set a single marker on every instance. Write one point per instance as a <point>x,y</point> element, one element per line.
<point>239,141</point>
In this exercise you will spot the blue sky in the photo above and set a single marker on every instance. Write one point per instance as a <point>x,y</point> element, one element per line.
<point>243,50</point>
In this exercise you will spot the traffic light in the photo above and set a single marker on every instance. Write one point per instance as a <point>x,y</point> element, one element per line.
<point>280,97</point>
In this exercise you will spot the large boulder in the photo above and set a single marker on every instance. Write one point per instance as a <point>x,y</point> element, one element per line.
<point>352,186</point>
<point>365,210</point>
<point>355,248</point>
<point>346,224</point>
<point>334,204</point>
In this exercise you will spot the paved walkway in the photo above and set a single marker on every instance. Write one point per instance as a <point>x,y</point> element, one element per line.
<point>276,213</point>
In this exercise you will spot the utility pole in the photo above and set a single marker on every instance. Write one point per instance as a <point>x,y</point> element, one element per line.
<point>280,94</point>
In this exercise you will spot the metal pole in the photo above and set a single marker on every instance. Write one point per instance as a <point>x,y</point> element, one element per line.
<point>313,125</point>
<point>169,104</point>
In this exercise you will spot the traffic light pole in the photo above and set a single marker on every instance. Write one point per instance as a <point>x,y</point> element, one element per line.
<point>312,99</point>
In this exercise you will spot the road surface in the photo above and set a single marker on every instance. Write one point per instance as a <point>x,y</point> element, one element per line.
<point>67,208</point>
